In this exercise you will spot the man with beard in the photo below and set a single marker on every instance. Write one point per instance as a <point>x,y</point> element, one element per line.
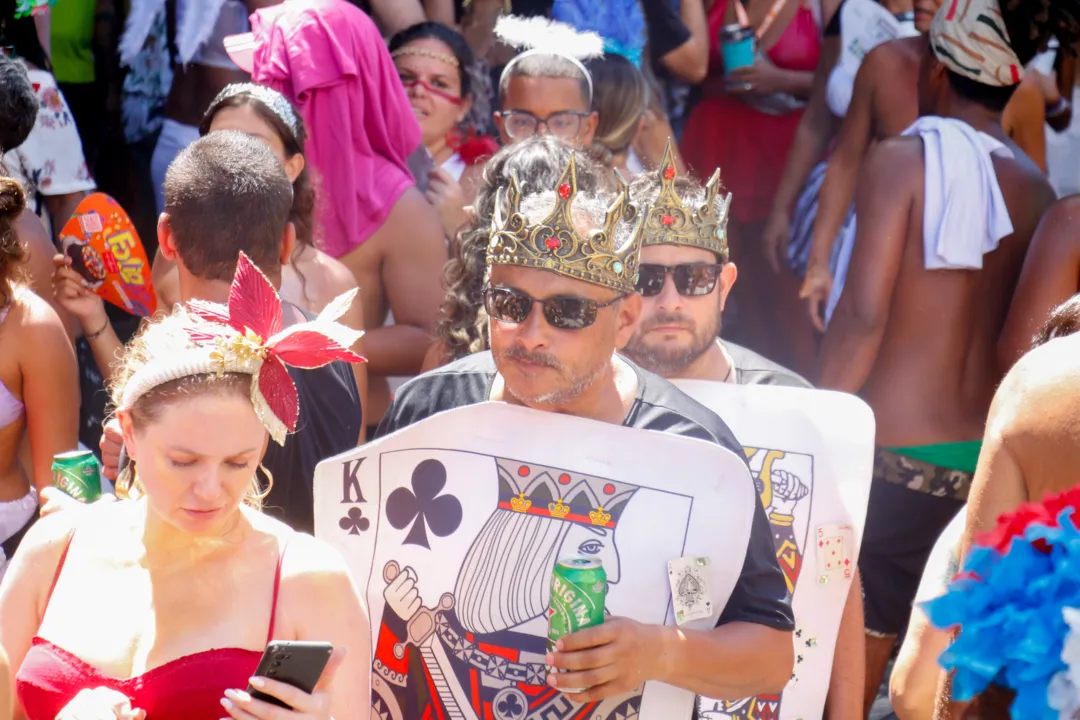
<point>678,334</point>
<point>684,280</point>
<point>559,308</point>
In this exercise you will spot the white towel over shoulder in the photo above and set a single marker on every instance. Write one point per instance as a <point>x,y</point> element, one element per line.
<point>964,212</point>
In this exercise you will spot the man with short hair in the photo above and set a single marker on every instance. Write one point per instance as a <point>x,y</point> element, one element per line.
<point>946,213</point>
<point>544,90</point>
<point>684,280</point>
<point>226,193</point>
<point>559,312</point>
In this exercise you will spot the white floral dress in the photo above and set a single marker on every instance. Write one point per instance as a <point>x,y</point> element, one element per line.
<point>51,160</point>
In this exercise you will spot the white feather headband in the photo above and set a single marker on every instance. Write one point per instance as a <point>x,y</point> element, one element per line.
<point>540,36</point>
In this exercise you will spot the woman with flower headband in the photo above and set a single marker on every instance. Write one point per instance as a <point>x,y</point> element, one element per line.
<point>448,93</point>
<point>309,281</point>
<point>199,395</point>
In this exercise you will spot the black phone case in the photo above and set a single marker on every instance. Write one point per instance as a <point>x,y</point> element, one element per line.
<point>299,664</point>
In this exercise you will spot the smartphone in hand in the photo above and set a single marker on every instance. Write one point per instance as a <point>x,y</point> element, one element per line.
<point>295,663</point>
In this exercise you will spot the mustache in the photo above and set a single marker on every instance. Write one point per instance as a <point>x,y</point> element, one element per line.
<point>519,353</point>
<point>668,318</point>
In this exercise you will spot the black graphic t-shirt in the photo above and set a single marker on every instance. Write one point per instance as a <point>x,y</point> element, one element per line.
<point>754,369</point>
<point>328,424</point>
<point>760,596</point>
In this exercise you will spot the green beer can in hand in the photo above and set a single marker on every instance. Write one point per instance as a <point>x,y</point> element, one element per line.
<point>77,474</point>
<point>578,592</point>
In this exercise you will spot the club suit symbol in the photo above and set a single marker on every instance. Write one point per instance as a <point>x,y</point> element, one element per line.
<point>423,506</point>
<point>354,521</point>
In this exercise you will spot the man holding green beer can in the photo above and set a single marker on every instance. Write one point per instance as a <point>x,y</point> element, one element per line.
<point>560,307</point>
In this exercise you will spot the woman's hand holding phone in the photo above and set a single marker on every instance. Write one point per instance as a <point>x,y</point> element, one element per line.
<point>314,705</point>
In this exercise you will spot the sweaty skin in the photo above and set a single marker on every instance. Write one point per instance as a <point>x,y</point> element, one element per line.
<point>1030,450</point>
<point>1032,442</point>
<point>1051,276</point>
<point>883,104</point>
<point>918,346</point>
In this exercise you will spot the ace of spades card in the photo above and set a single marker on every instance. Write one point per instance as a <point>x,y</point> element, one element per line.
<point>452,528</point>
<point>811,456</point>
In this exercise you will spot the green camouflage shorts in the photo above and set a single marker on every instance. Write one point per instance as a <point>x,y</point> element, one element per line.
<point>921,476</point>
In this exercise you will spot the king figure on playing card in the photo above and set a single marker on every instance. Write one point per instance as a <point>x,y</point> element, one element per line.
<point>479,652</point>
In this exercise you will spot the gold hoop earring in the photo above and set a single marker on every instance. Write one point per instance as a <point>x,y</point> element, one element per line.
<point>260,496</point>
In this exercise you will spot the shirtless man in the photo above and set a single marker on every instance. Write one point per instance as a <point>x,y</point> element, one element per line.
<point>684,279</point>
<point>884,103</point>
<point>918,344</point>
<point>1051,276</point>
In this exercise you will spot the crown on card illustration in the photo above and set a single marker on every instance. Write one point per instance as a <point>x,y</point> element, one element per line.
<point>533,489</point>
<point>670,222</point>
<point>554,243</point>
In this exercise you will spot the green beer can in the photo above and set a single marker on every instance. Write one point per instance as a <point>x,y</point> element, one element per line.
<point>77,474</point>
<point>578,592</point>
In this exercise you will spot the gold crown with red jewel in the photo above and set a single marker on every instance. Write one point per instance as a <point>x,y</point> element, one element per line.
<point>532,489</point>
<point>670,222</point>
<point>554,243</point>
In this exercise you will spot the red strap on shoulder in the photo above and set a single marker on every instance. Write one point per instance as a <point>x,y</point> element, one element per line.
<point>277,586</point>
<point>59,567</point>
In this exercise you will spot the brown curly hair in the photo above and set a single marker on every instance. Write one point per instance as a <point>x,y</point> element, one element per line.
<point>12,255</point>
<point>537,162</point>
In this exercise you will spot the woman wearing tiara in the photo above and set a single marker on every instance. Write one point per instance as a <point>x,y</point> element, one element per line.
<point>309,281</point>
<point>449,94</point>
<point>187,581</point>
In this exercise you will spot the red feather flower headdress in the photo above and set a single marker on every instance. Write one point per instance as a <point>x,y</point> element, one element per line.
<point>247,337</point>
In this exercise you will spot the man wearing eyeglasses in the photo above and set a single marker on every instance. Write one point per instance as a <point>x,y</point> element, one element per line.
<point>678,335</point>
<point>544,92</point>
<point>561,301</point>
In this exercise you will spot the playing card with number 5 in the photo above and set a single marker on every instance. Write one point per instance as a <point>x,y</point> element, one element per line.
<point>833,546</point>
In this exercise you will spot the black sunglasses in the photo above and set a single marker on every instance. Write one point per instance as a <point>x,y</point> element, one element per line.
<point>692,280</point>
<point>565,312</point>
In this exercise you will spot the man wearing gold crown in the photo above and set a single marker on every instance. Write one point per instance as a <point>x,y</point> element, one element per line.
<point>561,301</point>
<point>686,240</point>
<point>684,280</point>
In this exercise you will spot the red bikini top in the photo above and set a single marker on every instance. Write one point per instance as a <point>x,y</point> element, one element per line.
<point>187,688</point>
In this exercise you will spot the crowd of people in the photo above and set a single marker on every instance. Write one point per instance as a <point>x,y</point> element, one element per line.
<point>362,214</point>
